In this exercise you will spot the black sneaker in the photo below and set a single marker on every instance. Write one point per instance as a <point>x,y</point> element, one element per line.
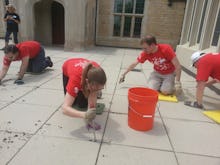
<point>48,60</point>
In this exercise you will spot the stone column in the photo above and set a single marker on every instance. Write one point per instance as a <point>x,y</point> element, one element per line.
<point>209,23</point>
<point>2,23</point>
<point>75,25</point>
<point>187,20</point>
<point>196,22</point>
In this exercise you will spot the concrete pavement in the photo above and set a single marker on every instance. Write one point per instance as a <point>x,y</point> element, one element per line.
<point>33,130</point>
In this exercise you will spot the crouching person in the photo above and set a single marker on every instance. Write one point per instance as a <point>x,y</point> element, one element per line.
<point>31,55</point>
<point>82,80</point>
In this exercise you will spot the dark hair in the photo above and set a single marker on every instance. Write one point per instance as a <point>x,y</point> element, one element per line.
<point>95,75</point>
<point>149,39</point>
<point>11,49</point>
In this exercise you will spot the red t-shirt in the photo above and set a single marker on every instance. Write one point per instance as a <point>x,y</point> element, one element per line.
<point>162,59</point>
<point>209,65</point>
<point>73,69</point>
<point>27,48</point>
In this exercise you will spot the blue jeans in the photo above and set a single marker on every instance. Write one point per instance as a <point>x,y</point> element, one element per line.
<point>15,36</point>
<point>39,63</point>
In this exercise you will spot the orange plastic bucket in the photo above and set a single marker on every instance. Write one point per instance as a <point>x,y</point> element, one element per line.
<point>141,108</point>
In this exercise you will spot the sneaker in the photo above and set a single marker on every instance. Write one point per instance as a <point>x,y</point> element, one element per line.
<point>194,104</point>
<point>50,63</point>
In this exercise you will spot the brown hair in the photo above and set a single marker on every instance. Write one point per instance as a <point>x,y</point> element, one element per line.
<point>95,75</point>
<point>149,39</point>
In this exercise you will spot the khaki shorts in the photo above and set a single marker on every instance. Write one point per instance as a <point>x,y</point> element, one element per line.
<point>160,82</point>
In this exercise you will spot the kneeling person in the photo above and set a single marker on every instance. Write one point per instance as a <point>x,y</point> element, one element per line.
<point>31,55</point>
<point>82,80</point>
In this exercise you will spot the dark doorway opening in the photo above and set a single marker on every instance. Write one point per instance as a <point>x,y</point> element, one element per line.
<point>58,28</point>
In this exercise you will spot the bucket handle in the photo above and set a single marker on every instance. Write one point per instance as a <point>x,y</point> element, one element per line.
<point>139,114</point>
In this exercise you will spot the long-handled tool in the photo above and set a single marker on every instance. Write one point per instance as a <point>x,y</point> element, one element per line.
<point>94,134</point>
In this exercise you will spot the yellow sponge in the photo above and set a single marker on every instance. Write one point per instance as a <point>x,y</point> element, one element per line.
<point>170,98</point>
<point>214,115</point>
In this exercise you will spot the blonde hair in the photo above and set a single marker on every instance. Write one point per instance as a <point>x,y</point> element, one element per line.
<point>94,75</point>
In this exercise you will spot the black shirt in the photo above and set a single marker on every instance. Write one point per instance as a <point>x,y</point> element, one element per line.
<point>12,26</point>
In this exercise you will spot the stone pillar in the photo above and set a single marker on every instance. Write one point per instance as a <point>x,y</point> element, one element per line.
<point>2,23</point>
<point>209,23</point>
<point>196,22</point>
<point>26,27</point>
<point>75,25</point>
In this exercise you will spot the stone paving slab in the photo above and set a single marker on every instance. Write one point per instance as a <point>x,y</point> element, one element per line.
<point>10,143</point>
<point>14,92</point>
<point>24,117</point>
<point>181,112</point>
<point>52,98</point>
<point>118,155</point>
<point>200,138</point>
<point>2,104</point>
<point>187,159</point>
<point>181,135</point>
<point>66,127</point>
<point>118,131</point>
<point>56,84</point>
<point>52,150</point>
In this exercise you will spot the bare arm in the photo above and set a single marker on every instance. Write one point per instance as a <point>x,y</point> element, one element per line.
<point>177,65</point>
<point>211,82</point>
<point>199,91</point>
<point>7,18</point>
<point>67,107</point>
<point>3,71</point>
<point>92,100</point>
<point>132,66</point>
<point>23,67</point>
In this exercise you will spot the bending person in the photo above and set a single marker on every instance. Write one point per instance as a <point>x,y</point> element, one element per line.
<point>166,66</point>
<point>207,65</point>
<point>82,80</point>
<point>31,55</point>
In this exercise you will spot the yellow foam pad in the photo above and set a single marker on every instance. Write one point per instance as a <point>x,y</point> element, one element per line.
<point>214,115</point>
<point>170,98</point>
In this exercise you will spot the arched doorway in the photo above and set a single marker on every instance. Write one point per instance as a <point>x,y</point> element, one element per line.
<point>58,28</point>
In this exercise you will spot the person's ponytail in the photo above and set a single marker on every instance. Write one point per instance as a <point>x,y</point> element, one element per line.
<point>84,77</point>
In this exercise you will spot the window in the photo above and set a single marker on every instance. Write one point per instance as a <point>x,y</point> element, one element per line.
<point>191,21</point>
<point>6,2</point>
<point>128,16</point>
<point>202,21</point>
<point>216,31</point>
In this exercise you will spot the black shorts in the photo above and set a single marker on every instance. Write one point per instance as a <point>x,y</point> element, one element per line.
<point>81,101</point>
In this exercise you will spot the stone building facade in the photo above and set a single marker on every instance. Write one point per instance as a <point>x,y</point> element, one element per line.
<point>78,24</point>
<point>201,29</point>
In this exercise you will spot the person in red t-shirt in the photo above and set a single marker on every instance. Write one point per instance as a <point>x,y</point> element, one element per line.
<point>207,65</point>
<point>31,55</point>
<point>166,66</point>
<point>82,80</point>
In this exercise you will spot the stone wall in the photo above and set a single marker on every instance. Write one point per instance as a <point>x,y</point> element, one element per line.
<point>159,19</point>
<point>2,23</point>
<point>80,27</point>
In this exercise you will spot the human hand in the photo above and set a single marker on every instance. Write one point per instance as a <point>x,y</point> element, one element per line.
<point>90,115</point>
<point>9,17</point>
<point>122,79</point>
<point>178,88</point>
<point>217,81</point>
<point>19,82</point>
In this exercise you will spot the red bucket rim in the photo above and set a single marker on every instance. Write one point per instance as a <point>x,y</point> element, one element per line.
<point>156,93</point>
